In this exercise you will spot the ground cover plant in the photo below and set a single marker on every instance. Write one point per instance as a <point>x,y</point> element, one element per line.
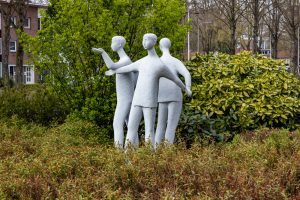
<point>49,163</point>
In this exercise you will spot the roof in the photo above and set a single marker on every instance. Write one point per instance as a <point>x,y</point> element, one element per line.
<point>35,3</point>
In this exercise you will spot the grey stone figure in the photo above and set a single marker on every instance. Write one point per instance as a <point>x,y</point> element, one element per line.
<point>169,96</point>
<point>144,103</point>
<point>125,84</point>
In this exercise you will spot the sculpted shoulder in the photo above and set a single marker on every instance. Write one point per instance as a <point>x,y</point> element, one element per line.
<point>178,62</point>
<point>168,59</point>
<point>142,60</point>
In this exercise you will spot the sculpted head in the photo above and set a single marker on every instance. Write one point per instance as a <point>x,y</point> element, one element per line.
<point>117,43</point>
<point>165,43</point>
<point>149,40</point>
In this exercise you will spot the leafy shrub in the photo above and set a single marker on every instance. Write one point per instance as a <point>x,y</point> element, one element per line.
<point>197,127</point>
<point>33,103</point>
<point>240,92</point>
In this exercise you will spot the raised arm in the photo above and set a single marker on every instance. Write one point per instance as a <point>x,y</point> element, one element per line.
<point>108,61</point>
<point>182,70</point>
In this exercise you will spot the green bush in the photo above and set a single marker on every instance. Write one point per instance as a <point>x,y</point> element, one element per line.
<point>33,103</point>
<point>242,92</point>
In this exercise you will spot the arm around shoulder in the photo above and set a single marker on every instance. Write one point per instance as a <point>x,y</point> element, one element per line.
<point>133,67</point>
<point>171,76</point>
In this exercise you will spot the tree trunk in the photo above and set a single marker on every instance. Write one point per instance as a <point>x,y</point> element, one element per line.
<point>19,64</point>
<point>255,37</point>
<point>20,8</point>
<point>255,26</point>
<point>233,24</point>
<point>5,44</point>
<point>274,44</point>
<point>232,44</point>
<point>5,51</point>
<point>294,57</point>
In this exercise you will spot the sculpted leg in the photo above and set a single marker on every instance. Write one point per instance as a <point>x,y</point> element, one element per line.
<point>149,119</point>
<point>121,113</point>
<point>174,111</point>
<point>135,117</point>
<point>161,123</point>
<point>136,142</point>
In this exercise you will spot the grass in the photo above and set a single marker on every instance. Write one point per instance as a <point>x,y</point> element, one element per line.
<point>46,163</point>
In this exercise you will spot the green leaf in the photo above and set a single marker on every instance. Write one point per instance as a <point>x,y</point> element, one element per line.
<point>246,94</point>
<point>219,112</point>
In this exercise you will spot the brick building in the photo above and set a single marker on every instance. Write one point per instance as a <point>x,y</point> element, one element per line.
<point>31,26</point>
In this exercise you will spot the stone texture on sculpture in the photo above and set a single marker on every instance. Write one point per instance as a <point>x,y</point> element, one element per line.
<point>125,84</point>
<point>169,96</point>
<point>150,69</point>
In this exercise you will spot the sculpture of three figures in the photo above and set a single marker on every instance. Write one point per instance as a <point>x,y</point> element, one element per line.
<point>144,85</point>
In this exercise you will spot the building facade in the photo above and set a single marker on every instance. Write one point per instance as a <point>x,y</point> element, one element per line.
<point>31,26</point>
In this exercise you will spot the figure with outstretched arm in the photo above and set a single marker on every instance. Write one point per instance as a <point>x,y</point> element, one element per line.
<point>169,96</point>
<point>125,84</point>
<point>124,59</point>
<point>144,103</point>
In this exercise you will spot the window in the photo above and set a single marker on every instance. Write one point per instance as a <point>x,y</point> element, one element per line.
<point>12,46</point>
<point>27,23</point>
<point>39,23</point>
<point>13,21</point>
<point>11,70</point>
<point>28,75</point>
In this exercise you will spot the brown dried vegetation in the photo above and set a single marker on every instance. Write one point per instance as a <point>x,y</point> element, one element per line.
<point>39,163</point>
